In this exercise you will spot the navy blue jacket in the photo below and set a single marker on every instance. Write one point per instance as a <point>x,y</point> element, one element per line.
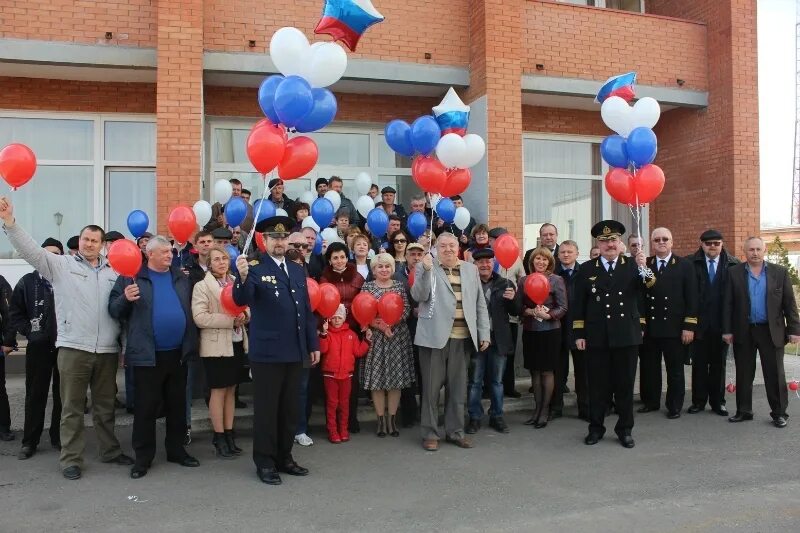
<point>283,329</point>
<point>137,317</point>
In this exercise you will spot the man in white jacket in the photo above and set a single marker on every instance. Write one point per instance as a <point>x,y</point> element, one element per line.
<point>88,338</point>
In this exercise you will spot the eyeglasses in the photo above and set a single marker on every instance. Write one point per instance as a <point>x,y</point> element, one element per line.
<point>298,246</point>
<point>661,239</point>
<point>400,241</point>
<point>712,243</point>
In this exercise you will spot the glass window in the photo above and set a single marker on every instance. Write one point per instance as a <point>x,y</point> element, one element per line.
<point>561,157</point>
<point>342,149</point>
<point>130,141</point>
<point>388,158</point>
<point>129,189</point>
<point>625,5</point>
<point>57,202</point>
<point>52,139</point>
<point>229,146</point>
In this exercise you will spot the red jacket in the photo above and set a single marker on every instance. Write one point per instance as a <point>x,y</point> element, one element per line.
<point>340,348</point>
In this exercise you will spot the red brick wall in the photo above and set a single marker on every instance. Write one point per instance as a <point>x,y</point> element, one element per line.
<point>411,28</point>
<point>133,22</point>
<point>34,94</point>
<point>565,121</point>
<point>593,43</point>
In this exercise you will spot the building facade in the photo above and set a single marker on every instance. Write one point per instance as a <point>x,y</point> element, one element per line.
<point>142,104</point>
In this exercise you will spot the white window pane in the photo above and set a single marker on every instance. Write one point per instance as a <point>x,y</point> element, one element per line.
<point>129,190</point>
<point>572,205</point>
<point>130,141</point>
<point>49,138</point>
<point>54,190</point>
<point>229,145</point>
<point>342,149</point>
<point>388,158</point>
<point>561,157</point>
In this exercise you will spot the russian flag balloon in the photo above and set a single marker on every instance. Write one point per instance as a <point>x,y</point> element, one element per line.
<point>452,114</point>
<point>622,86</point>
<point>347,20</point>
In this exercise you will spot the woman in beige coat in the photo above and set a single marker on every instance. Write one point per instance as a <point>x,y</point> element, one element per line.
<point>223,343</point>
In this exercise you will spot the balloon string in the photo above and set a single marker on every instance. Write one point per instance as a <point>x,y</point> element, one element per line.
<point>252,231</point>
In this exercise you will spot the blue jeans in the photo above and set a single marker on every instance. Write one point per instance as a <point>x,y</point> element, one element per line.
<point>302,398</point>
<point>496,365</point>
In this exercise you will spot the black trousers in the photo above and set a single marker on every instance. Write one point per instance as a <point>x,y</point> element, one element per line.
<point>509,376</point>
<point>5,409</point>
<point>611,370</point>
<point>708,370</point>
<point>771,366</point>
<point>41,368</point>
<point>163,384</point>
<point>409,409</point>
<point>275,390</point>
<point>581,382</point>
<point>650,373</point>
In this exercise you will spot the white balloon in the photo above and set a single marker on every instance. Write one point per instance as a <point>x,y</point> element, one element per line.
<point>335,199</point>
<point>327,65</point>
<point>281,213</point>
<point>646,113</point>
<point>308,197</point>
<point>461,219</point>
<point>616,114</point>
<point>451,150</point>
<point>475,149</point>
<point>363,183</point>
<point>308,222</point>
<point>330,235</point>
<point>223,191</point>
<point>202,212</point>
<point>364,205</point>
<point>290,51</point>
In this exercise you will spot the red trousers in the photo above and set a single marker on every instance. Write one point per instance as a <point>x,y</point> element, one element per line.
<point>337,404</point>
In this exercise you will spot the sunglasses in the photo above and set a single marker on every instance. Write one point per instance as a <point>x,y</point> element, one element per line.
<point>661,239</point>
<point>712,243</point>
<point>400,241</point>
<point>299,246</point>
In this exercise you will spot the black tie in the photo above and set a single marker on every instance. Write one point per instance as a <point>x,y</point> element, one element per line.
<point>662,264</point>
<point>283,268</point>
<point>611,267</point>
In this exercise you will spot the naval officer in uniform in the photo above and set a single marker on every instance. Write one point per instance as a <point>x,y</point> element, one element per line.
<point>283,341</point>
<point>607,323</point>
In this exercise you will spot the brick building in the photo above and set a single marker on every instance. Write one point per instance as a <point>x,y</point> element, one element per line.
<point>144,103</point>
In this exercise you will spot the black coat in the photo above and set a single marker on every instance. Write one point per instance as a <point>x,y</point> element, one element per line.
<point>137,317</point>
<point>671,304</point>
<point>710,295</point>
<point>6,328</point>
<point>33,310</point>
<point>569,284</point>
<point>499,309</point>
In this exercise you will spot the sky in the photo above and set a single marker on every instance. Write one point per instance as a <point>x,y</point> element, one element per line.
<point>776,105</point>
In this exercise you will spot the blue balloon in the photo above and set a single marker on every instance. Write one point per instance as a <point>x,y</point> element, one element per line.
<point>322,212</point>
<point>266,97</point>
<point>235,211</point>
<point>377,222</point>
<point>267,210</point>
<point>293,100</point>
<point>233,251</point>
<point>138,223</point>
<point>446,210</point>
<point>321,114</point>
<point>398,137</point>
<point>425,134</point>
<point>416,224</point>
<point>318,244</point>
<point>642,146</point>
<point>614,151</point>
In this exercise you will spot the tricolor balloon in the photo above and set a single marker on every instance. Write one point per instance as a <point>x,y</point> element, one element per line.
<point>347,20</point>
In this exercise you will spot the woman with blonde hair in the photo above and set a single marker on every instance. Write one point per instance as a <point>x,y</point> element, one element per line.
<point>223,343</point>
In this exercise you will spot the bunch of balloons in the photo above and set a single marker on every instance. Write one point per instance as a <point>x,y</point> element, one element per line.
<point>17,165</point>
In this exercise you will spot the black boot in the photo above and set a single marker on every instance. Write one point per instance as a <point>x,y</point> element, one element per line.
<point>392,427</point>
<point>221,446</point>
<point>230,440</point>
<point>381,427</point>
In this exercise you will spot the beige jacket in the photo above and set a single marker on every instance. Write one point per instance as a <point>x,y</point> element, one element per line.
<point>216,326</point>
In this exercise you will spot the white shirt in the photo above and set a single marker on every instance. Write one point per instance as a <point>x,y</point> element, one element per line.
<point>606,262</point>
<point>279,262</point>
<point>665,263</point>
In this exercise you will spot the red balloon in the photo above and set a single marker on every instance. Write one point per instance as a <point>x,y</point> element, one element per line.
<point>429,174</point>
<point>619,184</point>
<point>313,292</point>
<point>506,250</point>
<point>458,179</point>
<point>182,223</point>
<point>364,308</point>
<point>261,123</point>
<point>299,158</point>
<point>537,287</point>
<point>731,387</point>
<point>412,275</point>
<point>259,238</point>
<point>226,300</point>
<point>649,183</point>
<point>266,146</point>
<point>390,308</point>
<point>794,385</point>
<point>329,299</point>
<point>125,258</point>
<point>17,165</point>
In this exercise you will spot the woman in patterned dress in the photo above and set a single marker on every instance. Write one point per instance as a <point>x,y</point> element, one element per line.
<point>389,365</point>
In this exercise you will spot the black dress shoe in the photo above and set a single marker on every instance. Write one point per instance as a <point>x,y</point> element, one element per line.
<point>6,435</point>
<point>672,415</point>
<point>627,441</point>
<point>693,409</point>
<point>121,459</point>
<point>56,445</point>
<point>540,425</point>
<point>138,471</point>
<point>592,438</point>
<point>531,421</point>
<point>721,410</point>
<point>269,475</point>
<point>513,394</point>
<point>498,424</point>
<point>294,469</point>
<point>72,472</point>
<point>779,422</point>
<point>353,426</point>
<point>186,460</point>
<point>26,452</point>
<point>740,417</point>
<point>472,426</point>
<point>646,409</point>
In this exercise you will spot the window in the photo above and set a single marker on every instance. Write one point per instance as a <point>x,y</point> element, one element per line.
<point>624,5</point>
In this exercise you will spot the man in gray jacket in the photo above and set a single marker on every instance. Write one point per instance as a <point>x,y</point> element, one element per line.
<point>452,313</point>
<point>88,338</point>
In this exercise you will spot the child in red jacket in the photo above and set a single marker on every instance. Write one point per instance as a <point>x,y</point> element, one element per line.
<point>340,347</point>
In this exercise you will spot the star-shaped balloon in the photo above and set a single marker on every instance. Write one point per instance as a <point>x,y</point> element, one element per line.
<point>347,20</point>
<point>452,114</point>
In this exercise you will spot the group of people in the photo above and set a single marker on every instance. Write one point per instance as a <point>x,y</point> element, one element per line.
<point>458,330</point>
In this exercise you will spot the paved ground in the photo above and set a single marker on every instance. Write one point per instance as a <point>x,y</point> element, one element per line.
<point>697,473</point>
